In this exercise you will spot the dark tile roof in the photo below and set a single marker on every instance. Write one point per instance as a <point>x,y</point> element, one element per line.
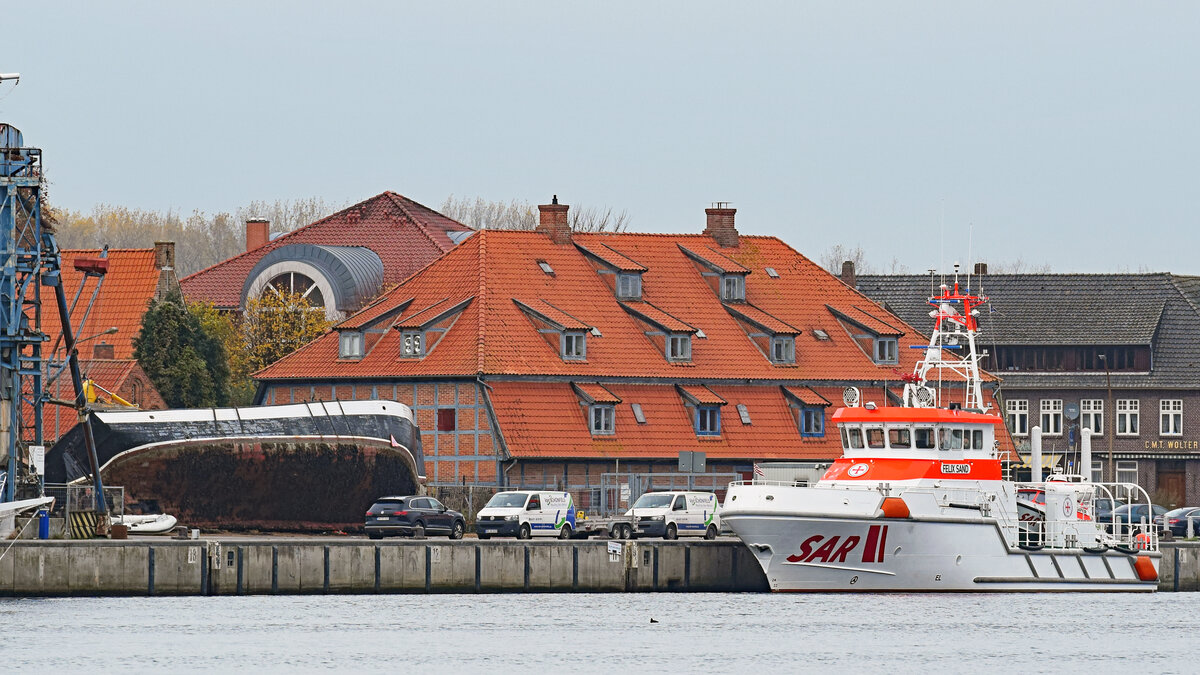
<point>1156,309</point>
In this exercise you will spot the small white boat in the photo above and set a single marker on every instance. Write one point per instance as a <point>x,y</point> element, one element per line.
<point>161,523</point>
<point>10,510</point>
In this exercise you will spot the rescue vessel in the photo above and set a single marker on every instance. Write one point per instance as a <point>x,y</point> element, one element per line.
<point>922,500</point>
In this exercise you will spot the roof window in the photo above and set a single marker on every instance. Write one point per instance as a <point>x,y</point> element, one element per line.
<point>772,273</point>
<point>743,413</point>
<point>638,414</point>
<point>679,347</point>
<point>546,267</point>
<point>733,287</point>
<point>350,345</point>
<point>783,349</point>
<point>574,346</point>
<point>820,335</point>
<point>629,286</point>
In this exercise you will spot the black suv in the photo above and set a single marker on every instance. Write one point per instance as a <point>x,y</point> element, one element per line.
<point>402,515</point>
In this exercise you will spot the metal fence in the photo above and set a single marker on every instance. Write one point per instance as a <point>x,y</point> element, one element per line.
<point>615,494</point>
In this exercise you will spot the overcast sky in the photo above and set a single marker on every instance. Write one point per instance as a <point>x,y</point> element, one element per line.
<point>1062,133</point>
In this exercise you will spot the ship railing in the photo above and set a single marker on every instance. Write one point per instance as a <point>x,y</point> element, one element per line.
<point>1109,532</point>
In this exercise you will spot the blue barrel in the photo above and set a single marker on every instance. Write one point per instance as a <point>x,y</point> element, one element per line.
<point>43,524</point>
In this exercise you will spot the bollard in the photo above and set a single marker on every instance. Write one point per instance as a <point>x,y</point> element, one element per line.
<point>418,532</point>
<point>43,524</point>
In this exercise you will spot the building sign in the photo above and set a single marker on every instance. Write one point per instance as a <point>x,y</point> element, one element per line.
<point>1173,445</point>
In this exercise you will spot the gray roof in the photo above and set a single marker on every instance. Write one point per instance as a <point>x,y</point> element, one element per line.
<point>1159,310</point>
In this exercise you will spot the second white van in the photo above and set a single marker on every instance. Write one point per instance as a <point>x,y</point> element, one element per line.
<point>525,514</point>
<point>676,514</point>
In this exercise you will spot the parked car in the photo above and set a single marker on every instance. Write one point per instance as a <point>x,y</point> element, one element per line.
<point>402,515</point>
<point>1102,509</point>
<point>1177,520</point>
<point>1137,513</point>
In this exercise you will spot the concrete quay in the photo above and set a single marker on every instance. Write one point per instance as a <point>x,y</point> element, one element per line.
<point>288,566</point>
<point>265,566</point>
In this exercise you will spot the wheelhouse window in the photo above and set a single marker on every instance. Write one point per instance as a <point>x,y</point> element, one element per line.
<point>411,344</point>
<point>733,288</point>
<point>1052,416</point>
<point>783,349</point>
<point>1128,412</point>
<point>887,350</point>
<point>574,346</point>
<point>812,422</point>
<point>1170,417</point>
<point>1091,415</point>
<point>1018,416</point>
<point>679,347</point>
<point>602,419</point>
<point>708,420</point>
<point>350,345</point>
<point>852,438</point>
<point>874,438</point>
<point>926,438</point>
<point>899,439</point>
<point>629,286</point>
<point>952,439</point>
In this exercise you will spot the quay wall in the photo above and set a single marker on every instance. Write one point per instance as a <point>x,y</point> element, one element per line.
<point>314,565</point>
<point>300,566</point>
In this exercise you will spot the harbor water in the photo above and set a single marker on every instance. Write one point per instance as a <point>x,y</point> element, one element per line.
<point>585,633</point>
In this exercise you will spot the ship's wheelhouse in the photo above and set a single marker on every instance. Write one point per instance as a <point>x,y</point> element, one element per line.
<point>858,438</point>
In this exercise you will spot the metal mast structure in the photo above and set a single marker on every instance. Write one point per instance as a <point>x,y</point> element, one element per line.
<point>29,259</point>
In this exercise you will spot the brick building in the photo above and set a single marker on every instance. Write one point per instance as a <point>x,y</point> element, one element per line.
<point>550,357</point>
<point>1116,353</point>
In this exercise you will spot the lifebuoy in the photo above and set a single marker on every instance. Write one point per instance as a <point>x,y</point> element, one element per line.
<point>1142,541</point>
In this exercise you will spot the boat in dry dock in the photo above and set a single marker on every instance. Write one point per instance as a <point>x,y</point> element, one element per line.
<point>920,499</point>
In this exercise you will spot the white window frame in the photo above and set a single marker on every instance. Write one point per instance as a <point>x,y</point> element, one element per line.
<point>1051,416</point>
<point>783,349</point>
<point>1097,471</point>
<point>412,344</point>
<point>1128,416</point>
<point>679,347</point>
<point>1170,417</point>
<point>1017,409</point>
<point>602,419</point>
<point>1091,415</point>
<point>1127,472</point>
<point>350,345</point>
<point>733,287</point>
<point>574,345</point>
<point>887,350</point>
<point>629,285</point>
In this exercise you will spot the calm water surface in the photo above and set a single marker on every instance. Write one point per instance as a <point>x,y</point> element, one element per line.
<point>602,632</point>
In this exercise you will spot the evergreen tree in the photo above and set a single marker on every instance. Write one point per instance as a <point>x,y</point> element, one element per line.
<point>187,364</point>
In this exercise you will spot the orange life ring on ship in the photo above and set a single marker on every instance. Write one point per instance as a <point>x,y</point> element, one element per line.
<point>1142,542</point>
<point>894,507</point>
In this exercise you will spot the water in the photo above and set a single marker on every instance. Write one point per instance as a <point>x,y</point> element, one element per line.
<point>584,633</point>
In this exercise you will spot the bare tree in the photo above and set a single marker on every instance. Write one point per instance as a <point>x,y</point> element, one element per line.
<point>1018,266</point>
<point>835,255</point>
<point>482,214</point>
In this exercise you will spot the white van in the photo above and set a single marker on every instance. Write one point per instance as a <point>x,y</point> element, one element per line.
<point>526,513</point>
<point>676,514</point>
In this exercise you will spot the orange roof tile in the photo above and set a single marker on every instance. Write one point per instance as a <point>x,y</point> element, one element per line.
<point>128,287</point>
<point>612,258</point>
<point>698,394</point>
<point>717,261</point>
<point>656,316</point>
<point>592,392</point>
<point>760,318</point>
<point>805,395</point>
<point>552,315</point>
<point>867,320</point>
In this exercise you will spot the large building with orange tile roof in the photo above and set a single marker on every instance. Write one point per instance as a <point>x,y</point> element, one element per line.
<point>549,357</point>
<point>339,262</point>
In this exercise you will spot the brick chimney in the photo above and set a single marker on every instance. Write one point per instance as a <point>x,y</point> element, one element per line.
<point>164,262</point>
<point>848,276</point>
<point>103,350</point>
<point>258,232</point>
<point>552,221</point>
<point>980,268</point>
<point>720,225</point>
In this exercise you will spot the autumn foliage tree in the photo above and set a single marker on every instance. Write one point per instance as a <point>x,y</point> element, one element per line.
<point>278,323</point>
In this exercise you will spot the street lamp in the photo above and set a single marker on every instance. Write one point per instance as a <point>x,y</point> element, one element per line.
<point>1112,468</point>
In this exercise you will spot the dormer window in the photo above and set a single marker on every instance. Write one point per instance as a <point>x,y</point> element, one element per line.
<point>350,345</point>
<point>708,420</point>
<point>411,344</point>
<point>733,288</point>
<point>574,346</point>
<point>602,419</point>
<point>679,347</point>
<point>629,286</point>
<point>783,349</point>
<point>887,350</point>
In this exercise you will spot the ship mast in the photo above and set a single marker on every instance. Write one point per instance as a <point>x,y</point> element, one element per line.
<point>955,330</point>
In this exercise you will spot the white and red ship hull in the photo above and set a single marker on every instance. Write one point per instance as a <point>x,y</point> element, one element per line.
<point>823,554</point>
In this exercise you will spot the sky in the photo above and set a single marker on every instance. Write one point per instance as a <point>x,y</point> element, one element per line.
<point>1062,134</point>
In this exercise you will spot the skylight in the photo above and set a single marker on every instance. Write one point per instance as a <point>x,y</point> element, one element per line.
<point>700,334</point>
<point>744,413</point>
<point>637,413</point>
<point>546,267</point>
<point>772,273</point>
<point>820,335</point>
